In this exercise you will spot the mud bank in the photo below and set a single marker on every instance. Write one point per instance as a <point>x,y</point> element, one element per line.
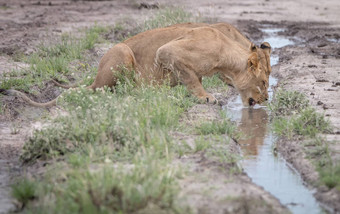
<point>312,67</point>
<point>212,186</point>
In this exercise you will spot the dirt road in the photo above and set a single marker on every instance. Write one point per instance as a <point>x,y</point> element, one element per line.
<point>311,65</point>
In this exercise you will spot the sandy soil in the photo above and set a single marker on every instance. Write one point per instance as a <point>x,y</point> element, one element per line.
<point>311,66</point>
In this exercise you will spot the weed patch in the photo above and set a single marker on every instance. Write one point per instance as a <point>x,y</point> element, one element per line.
<point>24,191</point>
<point>53,61</point>
<point>216,128</point>
<point>167,17</point>
<point>330,175</point>
<point>123,128</point>
<point>123,123</point>
<point>220,127</point>
<point>293,116</point>
<point>146,185</point>
<point>112,149</point>
<point>309,123</point>
<point>287,103</point>
<point>214,83</point>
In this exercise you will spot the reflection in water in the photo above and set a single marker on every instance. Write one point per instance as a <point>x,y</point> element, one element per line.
<point>262,166</point>
<point>260,163</point>
<point>254,124</point>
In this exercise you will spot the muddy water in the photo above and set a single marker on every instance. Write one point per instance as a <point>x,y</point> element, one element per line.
<point>266,168</point>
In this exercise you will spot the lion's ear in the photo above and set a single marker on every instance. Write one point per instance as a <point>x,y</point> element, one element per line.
<point>253,47</point>
<point>266,47</point>
<point>253,63</point>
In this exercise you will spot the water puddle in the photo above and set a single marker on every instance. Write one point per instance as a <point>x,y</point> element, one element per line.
<point>274,39</point>
<point>333,40</point>
<point>266,168</point>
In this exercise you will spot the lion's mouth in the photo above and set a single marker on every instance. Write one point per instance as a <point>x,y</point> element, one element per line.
<point>252,102</point>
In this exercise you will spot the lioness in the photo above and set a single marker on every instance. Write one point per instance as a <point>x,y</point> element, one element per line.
<point>184,53</point>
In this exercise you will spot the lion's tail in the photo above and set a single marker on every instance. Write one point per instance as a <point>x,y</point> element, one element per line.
<point>65,86</point>
<point>12,92</point>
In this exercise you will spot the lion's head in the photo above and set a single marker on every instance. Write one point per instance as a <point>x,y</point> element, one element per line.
<point>253,85</point>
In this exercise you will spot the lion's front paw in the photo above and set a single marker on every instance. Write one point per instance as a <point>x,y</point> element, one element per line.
<point>208,98</point>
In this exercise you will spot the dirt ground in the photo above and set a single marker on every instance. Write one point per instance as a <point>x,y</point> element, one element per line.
<point>311,66</point>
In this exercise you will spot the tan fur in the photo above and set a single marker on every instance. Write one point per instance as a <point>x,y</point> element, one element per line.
<point>184,53</point>
<point>204,51</point>
<point>247,76</point>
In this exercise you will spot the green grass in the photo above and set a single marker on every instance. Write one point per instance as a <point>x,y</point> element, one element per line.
<point>202,144</point>
<point>317,149</point>
<point>130,130</point>
<point>112,151</point>
<point>53,61</point>
<point>287,103</point>
<point>216,127</point>
<point>293,117</point>
<point>24,191</point>
<point>144,186</point>
<point>216,147</point>
<point>161,18</point>
<point>330,175</point>
<point>214,83</point>
<point>168,16</point>
<point>307,123</point>
<point>310,123</point>
<point>120,122</point>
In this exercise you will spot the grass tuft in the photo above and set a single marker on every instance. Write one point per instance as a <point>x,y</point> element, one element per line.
<point>167,17</point>
<point>214,83</point>
<point>293,117</point>
<point>118,189</point>
<point>53,61</point>
<point>309,123</point>
<point>131,132</point>
<point>330,175</point>
<point>288,103</point>
<point>120,122</point>
<point>24,191</point>
<point>222,127</point>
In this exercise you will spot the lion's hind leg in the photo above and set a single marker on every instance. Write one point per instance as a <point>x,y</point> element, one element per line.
<point>118,60</point>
